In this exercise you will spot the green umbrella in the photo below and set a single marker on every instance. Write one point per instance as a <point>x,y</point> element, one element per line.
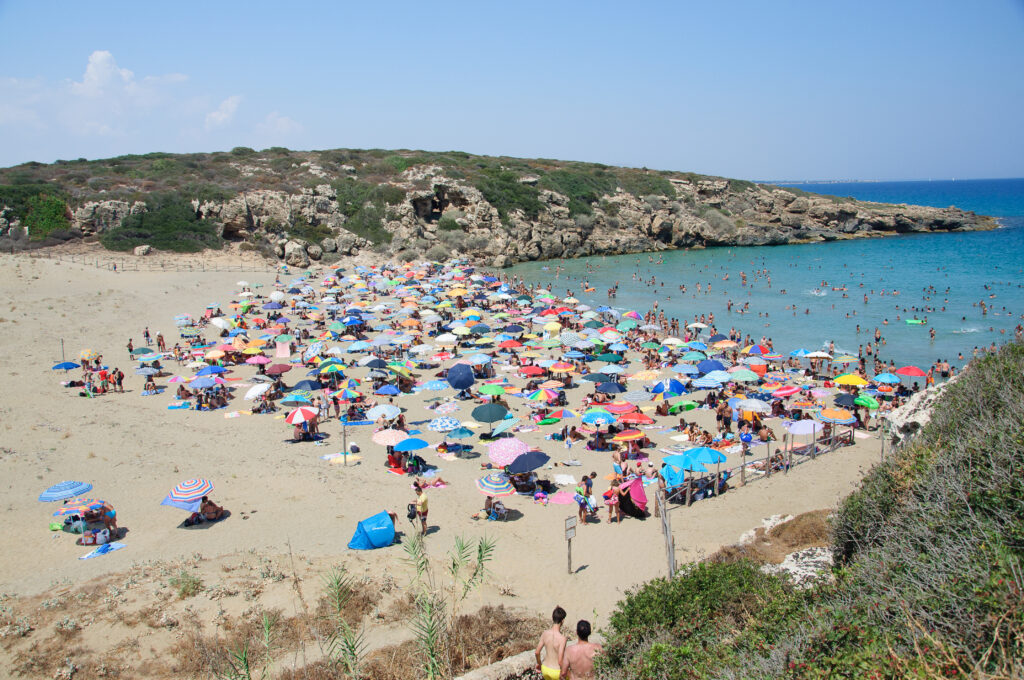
<point>867,401</point>
<point>609,357</point>
<point>142,350</point>
<point>593,324</point>
<point>548,421</point>
<point>493,390</point>
<point>626,325</point>
<point>651,345</point>
<point>684,405</point>
<point>743,375</point>
<point>284,337</point>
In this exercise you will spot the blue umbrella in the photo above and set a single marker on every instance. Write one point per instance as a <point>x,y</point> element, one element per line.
<point>886,378</point>
<point>387,390</point>
<point>411,444</point>
<point>705,454</point>
<point>273,305</point>
<point>671,385</point>
<point>436,385</point>
<point>65,366</point>
<point>598,418</point>
<point>709,365</point>
<point>212,370</point>
<point>705,384</point>
<point>610,388</point>
<point>685,369</point>
<point>202,383</point>
<point>527,462</point>
<point>460,376</point>
<point>460,433</point>
<point>64,491</point>
<point>684,462</point>
<point>311,385</point>
<point>799,352</point>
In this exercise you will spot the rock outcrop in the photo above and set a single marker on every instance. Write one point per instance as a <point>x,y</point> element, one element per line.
<point>441,215</point>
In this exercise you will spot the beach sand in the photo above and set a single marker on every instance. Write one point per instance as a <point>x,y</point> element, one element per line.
<point>283,498</point>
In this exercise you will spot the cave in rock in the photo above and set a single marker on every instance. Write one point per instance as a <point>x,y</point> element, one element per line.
<point>430,208</point>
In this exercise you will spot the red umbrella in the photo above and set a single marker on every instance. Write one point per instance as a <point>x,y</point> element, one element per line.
<point>278,369</point>
<point>510,344</point>
<point>786,391</point>
<point>301,415</point>
<point>913,371</point>
<point>531,370</point>
<point>636,418</point>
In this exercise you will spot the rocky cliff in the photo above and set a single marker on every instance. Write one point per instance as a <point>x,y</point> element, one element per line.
<point>436,211</point>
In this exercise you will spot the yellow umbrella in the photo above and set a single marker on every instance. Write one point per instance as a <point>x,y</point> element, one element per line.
<point>252,350</point>
<point>845,359</point>
<point>552,326</point>
<point>851,379</point>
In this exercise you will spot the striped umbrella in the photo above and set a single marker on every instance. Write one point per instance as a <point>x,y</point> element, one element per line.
<point>786,391</point>
<point>389,437</point>
<point>443,424</point>
<point>628,436</point>
<point>495,484</point>
<point>447,407</point>
<point>64,490</point>
<point>79,506</point>
<point>637,396</point>
<point>301,415</point>
<point>504,451</point>
<point>188,495</point>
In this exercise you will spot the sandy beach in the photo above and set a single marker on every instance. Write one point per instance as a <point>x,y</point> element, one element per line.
<point>283,498</point>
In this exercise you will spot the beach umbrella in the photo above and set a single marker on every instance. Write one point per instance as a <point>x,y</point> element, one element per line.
<point>301,415</point>
<point>255,391</point>
<point>866,401</point>
<point>459,433</point>
<point>203,382</point>
<point>527,462</point>
<point>610,388</point>
<point>596,377</point>
<point>80,506</point>
<point>802,427</point>
<point>910,371</point>
<point>443,424</point>
<point>88,355</point>
<point>844,400</point>
<point>495,484</point>
<point>189,494</point>
<point>141,350</point>
<point>744,375</point>
<point>460,376</point>
<point>683,462</point>
<point>787,391</point>
<point>212,370</point>
<point>628,436</point>
<point>705,454</point>
<point>598,418</point>
<point>491,389</point>
<point>489,413</point>
<point>836,416</point>
<point>637,396</point>
<point>504,451</point>
<point>410,444</point>
<point>389,437</point>
<point>65,366</point>
<point>682,406</point>
<point>387,390</point>
<point>636,418</point>
<point>504,426</point>
<point>296,399</point>
<point>436,385</point>
<point>886,378</point>
<point>563,413</point>
<point>851,379</point>
<point>709,365</point>
<point>64,491</point>
<point>386,411</point>
<point>146,370</point>
<point>278,369</point>
<point>755,405</point>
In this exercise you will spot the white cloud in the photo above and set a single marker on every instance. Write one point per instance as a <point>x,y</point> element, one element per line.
<point>276,124</point>
<point>102,76</point>
<point>224,113</point>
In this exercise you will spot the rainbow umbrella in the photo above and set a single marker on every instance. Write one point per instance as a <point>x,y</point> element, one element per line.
<point>79,506</point>
<point>188,494</point>
<point>495,484</point>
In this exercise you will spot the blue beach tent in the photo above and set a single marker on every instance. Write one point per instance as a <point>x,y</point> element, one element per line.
<point>373,532</point>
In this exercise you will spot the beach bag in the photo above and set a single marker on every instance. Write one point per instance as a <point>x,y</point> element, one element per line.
<point>89,538</point>
<point>412,511</point>
<point>103,537</point>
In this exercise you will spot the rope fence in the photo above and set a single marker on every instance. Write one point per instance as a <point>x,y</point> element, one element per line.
<point>150,264</point>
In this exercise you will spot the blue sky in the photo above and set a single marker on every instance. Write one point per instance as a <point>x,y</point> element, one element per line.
<point>759,90</point>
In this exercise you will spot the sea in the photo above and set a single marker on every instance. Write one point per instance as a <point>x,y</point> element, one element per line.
<point>838,292</point>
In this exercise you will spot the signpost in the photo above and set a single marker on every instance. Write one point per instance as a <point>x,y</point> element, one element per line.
<point>570,533</point>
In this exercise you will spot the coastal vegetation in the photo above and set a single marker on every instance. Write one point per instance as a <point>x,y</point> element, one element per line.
<point>928,579</point>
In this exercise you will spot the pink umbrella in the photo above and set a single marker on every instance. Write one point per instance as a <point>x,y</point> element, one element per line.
<point>389,437</point>
<point>786,391</point>
<point>258,359</point>
<point>504,451</point>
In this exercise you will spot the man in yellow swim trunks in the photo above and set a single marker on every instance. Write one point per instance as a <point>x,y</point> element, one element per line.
<point>552,643</point>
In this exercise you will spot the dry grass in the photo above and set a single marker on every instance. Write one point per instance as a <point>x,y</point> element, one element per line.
<point>808,530</point>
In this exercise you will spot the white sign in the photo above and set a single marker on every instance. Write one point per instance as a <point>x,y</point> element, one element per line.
<point>570,528</point>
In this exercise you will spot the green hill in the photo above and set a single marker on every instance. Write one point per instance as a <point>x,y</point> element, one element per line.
<point>929,581</point>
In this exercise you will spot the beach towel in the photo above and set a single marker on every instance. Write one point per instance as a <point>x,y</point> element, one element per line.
<point>103,550</point>
<point>396,471</point>
<point>147,393</point>
<point>565,480</point>
<point>178,407</point>
<point>283,351</point>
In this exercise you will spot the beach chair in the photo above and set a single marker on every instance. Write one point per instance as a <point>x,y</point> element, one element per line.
<point>498,512</point>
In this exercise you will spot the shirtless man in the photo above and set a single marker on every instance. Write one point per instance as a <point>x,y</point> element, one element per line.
<point>578,659</point>
<point>552,643</point>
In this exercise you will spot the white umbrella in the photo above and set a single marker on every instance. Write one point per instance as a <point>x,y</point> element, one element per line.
<point>243,284</point>
<point>221,322</point>
<point>697,324</point>
<point>256,390</point>
<point>754,405</point>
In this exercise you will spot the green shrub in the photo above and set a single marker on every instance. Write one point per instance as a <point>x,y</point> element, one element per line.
<point>186,584</point>
<point>503,190</point>
<point>302,229</point>
<point>437,253</point>
<point>46,214</point>
<point>641,183</point>
<point>584,189</point>
<point>170,224</point>
<point>243,151</point>
<point>447,223</point>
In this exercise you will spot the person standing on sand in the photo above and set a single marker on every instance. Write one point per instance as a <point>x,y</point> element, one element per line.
<point>552,643</point>
<point>578,659</point>
<point>131,346</point>
<point>421,507</point>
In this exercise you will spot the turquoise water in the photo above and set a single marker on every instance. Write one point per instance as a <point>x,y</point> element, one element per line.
<point>974,267</point>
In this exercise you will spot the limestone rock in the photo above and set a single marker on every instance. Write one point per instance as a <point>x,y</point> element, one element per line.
<point>329,245</point>
<point>314,251</point>
<point>142,250</point>
<point>295,254</point>
<point>95,217</point>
